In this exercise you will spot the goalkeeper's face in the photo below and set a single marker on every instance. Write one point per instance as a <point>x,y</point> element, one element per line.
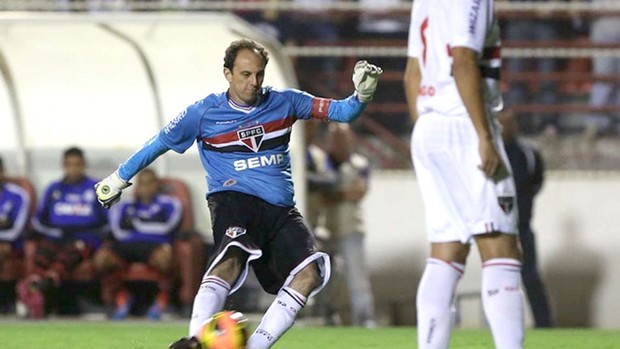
<point>246,77</point>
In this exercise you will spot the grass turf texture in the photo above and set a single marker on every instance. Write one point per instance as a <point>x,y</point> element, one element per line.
<point>144,335</point>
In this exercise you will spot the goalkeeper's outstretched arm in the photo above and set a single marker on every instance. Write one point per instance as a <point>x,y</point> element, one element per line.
<point>365,79</point>
<point>143,157</point>
<point>109,189</point>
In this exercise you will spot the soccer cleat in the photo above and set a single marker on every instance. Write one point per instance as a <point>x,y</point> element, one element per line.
<point>158,307</point>
<point>123,306</point>
<point>154,313</point>
<point>186,343</point>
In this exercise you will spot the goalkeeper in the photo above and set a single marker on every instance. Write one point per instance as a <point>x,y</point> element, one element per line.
<point>243,139</point>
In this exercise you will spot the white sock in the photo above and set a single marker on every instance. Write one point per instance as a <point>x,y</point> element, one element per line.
<point>502,301</point>
<point>277,319</point>
<point>209,300</point>
<point>434,303</point>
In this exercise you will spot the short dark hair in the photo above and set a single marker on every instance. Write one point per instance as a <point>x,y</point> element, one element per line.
<point>73,151</point>
<point>238,45</point>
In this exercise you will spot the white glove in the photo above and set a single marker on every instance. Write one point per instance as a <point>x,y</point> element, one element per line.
<point>109,190</point>
<point>365,79</point>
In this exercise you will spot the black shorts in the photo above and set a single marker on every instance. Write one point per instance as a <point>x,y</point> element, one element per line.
<point>135,252</point>
<point>279,232</point>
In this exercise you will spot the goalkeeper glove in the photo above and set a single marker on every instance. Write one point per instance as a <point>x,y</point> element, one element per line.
<point>365,79</point>
<point>186,343</point>
<point>109,190</point>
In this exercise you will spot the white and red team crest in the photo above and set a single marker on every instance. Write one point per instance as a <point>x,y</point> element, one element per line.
<point>252,137</point>
<point>234,232</point>
<point>506,203</point>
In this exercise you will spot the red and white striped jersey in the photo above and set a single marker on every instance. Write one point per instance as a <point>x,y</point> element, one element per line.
<point>436,27</point>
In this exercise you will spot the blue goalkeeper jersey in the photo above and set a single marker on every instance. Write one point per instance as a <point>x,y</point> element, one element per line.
<point>246,148</point>
<point>156,221</point>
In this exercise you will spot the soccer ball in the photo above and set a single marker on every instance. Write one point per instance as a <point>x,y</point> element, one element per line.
<point>224,330</point>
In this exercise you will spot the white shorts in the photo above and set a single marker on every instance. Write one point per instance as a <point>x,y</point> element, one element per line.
<point>459,200</point>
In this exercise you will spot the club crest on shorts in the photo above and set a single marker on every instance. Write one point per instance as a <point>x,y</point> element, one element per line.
<point>506,203</point>
<point>235,232</point>
<point>252,137</point>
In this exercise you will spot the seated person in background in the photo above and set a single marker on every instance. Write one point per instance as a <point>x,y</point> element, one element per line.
<point>14,205</point>
<point>71,225</point>
<point>144,228</point>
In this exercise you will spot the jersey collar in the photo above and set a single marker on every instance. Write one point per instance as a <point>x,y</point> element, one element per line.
<point>242,107</point>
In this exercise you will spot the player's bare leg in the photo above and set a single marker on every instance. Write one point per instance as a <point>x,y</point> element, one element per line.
<point>282,313</point>
<point>502,298</point>
<point>162,261</point>
<point>436,292</point>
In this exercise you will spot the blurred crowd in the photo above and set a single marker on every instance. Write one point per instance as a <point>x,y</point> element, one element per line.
<point>573,96</point>
<point>65,254</point>
<point>535,87</point>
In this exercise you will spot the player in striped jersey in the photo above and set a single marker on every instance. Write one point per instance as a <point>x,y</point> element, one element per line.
<point>452,87</point>
<point>243,139</point>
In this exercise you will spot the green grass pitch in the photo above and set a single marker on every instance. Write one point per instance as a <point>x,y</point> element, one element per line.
<point>143,335</point>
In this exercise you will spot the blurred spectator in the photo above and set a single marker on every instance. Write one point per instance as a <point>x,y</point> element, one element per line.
<point>313,21</point>
<point>344,222</point>
<point>320,178</point>
<point>144,228</point>
<point>378,24</point>
<point>528,171</point>
<point>270,21</point>
<point>106,5</point>
<point>14,209</point>
<point>91,5</point>
<point>379,21</point>
<point>320,174</point>
<point>72,225</point>
<point>604,30</point>
<point>541,28</point>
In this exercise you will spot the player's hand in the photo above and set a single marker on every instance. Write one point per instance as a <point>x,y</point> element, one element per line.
<point>186,343</point>
<point>365,79</point>
<point>109,190</point>
<point>491,162</point>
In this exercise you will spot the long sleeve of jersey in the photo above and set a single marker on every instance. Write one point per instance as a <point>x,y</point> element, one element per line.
<point>132,221</point>
<point>140,159</point>
<point>340,110</point>
<point>179,134</point>
<point>14,205</point>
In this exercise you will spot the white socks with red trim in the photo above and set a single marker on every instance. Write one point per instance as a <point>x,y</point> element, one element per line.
<point>277,319</point>
<point>434,303</point>
<point>209,300</point>
<point>502,301</point>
